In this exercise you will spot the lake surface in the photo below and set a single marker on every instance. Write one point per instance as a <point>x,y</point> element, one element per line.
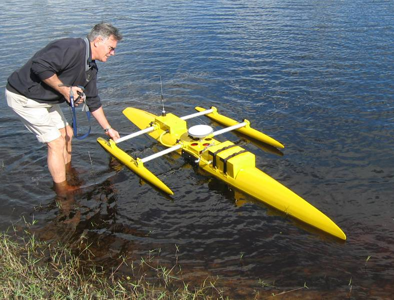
<point>315,75</point>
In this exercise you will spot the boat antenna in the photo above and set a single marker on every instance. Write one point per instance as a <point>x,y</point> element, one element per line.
<point>163,113</point>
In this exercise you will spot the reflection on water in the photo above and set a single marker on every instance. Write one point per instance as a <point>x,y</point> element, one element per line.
<point>315,75</point>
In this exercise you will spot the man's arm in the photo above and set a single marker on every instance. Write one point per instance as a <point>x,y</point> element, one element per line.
<point>55,83</point>
<point>99,115</point>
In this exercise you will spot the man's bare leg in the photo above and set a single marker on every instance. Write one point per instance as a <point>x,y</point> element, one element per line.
<point>56,159</point>
<point>59,160</point>
<point>71,173</point>
<point>67,133</point>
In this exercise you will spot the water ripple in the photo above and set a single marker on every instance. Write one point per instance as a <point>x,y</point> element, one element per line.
<point>315,75</point>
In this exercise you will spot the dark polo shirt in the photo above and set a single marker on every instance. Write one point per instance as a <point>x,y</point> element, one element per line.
<point>71,60</point>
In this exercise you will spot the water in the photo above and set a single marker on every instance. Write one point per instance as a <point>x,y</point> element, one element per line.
<point>317,76</point>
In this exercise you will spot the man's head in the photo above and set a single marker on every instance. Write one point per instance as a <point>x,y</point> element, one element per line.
<point>103,40</point>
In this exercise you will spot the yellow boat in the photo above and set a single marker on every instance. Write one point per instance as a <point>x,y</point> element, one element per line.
<point>224,160</point>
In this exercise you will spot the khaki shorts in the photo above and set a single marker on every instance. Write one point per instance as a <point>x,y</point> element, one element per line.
<point>42,119</point>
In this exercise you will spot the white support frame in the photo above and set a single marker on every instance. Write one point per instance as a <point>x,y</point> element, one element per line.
<point>179,146</point>
<point>201,113</point>
<point>135,134</point>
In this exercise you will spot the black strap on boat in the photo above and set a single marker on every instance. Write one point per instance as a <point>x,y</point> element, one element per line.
<point>214,154</point>
<point>224,160</point>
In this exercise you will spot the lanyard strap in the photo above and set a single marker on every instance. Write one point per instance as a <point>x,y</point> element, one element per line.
<point>84,108</point>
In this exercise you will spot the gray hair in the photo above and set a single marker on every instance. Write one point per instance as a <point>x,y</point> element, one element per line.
<point>104,30</point>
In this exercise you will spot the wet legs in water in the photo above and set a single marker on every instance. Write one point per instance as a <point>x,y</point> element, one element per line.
<point>59,163</point>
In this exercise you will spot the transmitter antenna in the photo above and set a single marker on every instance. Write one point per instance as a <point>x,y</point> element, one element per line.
<point>163,113</point>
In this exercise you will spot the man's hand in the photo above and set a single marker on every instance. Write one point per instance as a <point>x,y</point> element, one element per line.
<point>113,134</point>
<point>75,92</point>
<point>99,115</point>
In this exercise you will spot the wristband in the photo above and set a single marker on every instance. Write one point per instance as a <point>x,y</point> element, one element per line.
<point>107,129</point>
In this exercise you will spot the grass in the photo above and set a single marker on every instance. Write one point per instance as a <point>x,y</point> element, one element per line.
<point>32,269</point>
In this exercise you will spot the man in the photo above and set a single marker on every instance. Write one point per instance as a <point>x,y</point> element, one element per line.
<point>49,78</point>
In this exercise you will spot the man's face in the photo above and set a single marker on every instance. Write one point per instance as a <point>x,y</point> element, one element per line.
<point>104,48</point>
